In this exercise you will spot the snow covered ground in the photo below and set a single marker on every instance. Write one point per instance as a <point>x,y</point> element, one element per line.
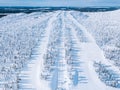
<point>61,50</point>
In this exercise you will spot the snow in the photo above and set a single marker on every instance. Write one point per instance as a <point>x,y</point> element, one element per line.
<point>58,50</point>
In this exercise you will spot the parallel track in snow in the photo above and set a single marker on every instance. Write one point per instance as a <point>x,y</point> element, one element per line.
<point>63,58</point>
<point>36,66</point>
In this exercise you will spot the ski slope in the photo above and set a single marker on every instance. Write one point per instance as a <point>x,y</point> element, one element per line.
<point>65,55</point>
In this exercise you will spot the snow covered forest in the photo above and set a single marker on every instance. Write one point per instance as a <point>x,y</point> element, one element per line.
<point>60,50</point>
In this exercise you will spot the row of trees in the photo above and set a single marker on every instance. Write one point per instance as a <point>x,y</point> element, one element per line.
<point>72,51</point>
<point>107,75</point>
<point>52,57</point>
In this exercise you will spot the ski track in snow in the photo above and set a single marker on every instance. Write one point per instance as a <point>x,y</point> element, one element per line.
<point>37,65</point>
<point>76,75</point>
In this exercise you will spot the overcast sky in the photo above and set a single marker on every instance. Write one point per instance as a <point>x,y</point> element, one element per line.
<point>78,3</point>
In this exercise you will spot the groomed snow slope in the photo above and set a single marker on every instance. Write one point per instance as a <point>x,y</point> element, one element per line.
<point>63,56</point>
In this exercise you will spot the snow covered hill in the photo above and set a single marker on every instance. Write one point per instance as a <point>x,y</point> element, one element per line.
<point>60,50</point>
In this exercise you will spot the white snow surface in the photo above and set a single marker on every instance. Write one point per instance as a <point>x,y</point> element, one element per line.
<point>61,33</point>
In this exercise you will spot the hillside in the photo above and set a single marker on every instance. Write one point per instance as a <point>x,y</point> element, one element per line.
<point>60,50</point>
